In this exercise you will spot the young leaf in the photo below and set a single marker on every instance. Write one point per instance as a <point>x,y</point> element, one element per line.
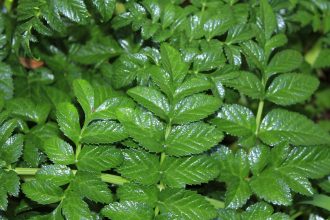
<point>105,7</point>
<point>143,127</point>
<point>236,120</point>
<point>280,125</point>
<point>85,95</point>
<point>291,88</point>
<point>194,108</point>
<point>191,86</point>
<point>75,10</point>
<point>246,83</point>
<point>284,61</point>
<point>103,132</point>
<point>191,138</point>
<point>98,158</point>
<point>42,192</point>
<point>151,99</point>
<point>73,207</point>
<point>177,172</point>
<point>184,204</point>
<point>140,166</point>
<point>12,149</point>
<point>238,192</point>
<point>128,210</point>
<point>68,120</point>
<point>268,18</point>
<point>59,151</point>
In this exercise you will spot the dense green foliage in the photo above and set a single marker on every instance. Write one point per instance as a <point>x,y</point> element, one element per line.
<point>154,109</point>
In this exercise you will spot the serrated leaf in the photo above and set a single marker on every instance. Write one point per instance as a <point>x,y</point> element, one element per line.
<point>85,95</point>
<point>177,172</point>
<point>270,187</point>
<point>10,182</point>
<point>151,99</point>
<point>173,63</point>
<point>68,120</point>
<point>258,158</point>
<point>75,10</point>
<point>191,138</point>
<point>12,149</point>
<point>254,53</point>
<point>91,186</point>
<point>105,7</point>
<point>291,88</point>
<point>42,192</point>
<point>143,127</point>
<point>239,33</point>
<point>57,174</point>
<point>3,199</point>
<point>284,61</point>
<point>162,79</point>
<point>103,132</point>
<point>73,207</point>
<point>6,81</point>
<point>138,193</point>
<point>238,192</point>
<point>268,18</point>
<point>59,151</point>
<point>236,120</point>
<point>7,129</point>
<point>191,86</point>
<point>246,83</point>
<point>98,158</point>
<point>281,125</point>
<point>140,166</point>
<point>128,210</point>
<point>260,210</point>
<point>184,204</point>
<point>194,108</point>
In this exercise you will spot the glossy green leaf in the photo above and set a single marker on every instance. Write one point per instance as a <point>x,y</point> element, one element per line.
<point>138,193</point>
<point>85,95</point>
<point>42,192</point>
<point>143,127</point>
<point>57,174</point>
<point>258,158</point>
<point>184,204</point>
<point>105,7</point>
<point>191,138</point>
<point>12,149</point>
<point>68,120</point>
<point>236,120</point>
<point>191,86</point>
<point>268,18</point>
<point>75,10</point>
<point>237,194</point>
<point>291,88</point>
<point>10,182</point>
<point>103,132</point>
<point>128,210</point>
<point>284,61</point>
<point>98,158</point>
<point>6,81</point>
<point>254,53</point>
<point>177,172</point>
<point>320,200</point>
<point>151,99</point>
<point>73,207</point>
<point>194,108</point>
<point>281,125</point>
<point>140,166</point>
<point>246,83</point>
<point>59,151</point>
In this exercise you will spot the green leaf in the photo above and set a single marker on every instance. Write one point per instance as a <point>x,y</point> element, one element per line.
<point>151,99</point>
<point>258,158</point>
<point>143,127</point>
<point>73,207</point>
<point>59,151</point>
<point>91,186</point>
<point>260,210</point>
<point>284,61</point>
<point>270,187</point>
<point>191,86</point>
<point>3,199</point>
<point>12,149</point>
<point>128,210</point>
<point>28,110</point>
<point>140,166</point>
<point>191,138</point>
<point>6,81</point>
<point>68,120</point>
<point>276,41</point>
<point>57,174</point>
<point>42,192</point>
<point>280,125</point>
<point>177,172</point>
<point>184,204</point>
<point>236,120</point>
<point>239,33</point>
<point>246,83</point>
<point>105,7</point>
<point>254,54</point>
<point>237,194</point>
<point>98,158</point>
<point>85,95</point>
<point>75,10</point>
<point>162,79</point>
<point>138,193</point>
<point>173,63</point>
<point>194,108</point>
<point>10,182</point>
<point>103,132</point>
<point>291,88</point>
<point>218,23</point>
<point>320,200</point>
<point>268,18</point>
<point>7,129</point>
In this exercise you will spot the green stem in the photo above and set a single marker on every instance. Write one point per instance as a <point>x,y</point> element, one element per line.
<point>78,149</point>
<point>259,114</point>
<point>216,203</point>
<point>296,215</point>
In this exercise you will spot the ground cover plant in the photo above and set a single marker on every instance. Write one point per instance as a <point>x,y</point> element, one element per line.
<point>179,109</point>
